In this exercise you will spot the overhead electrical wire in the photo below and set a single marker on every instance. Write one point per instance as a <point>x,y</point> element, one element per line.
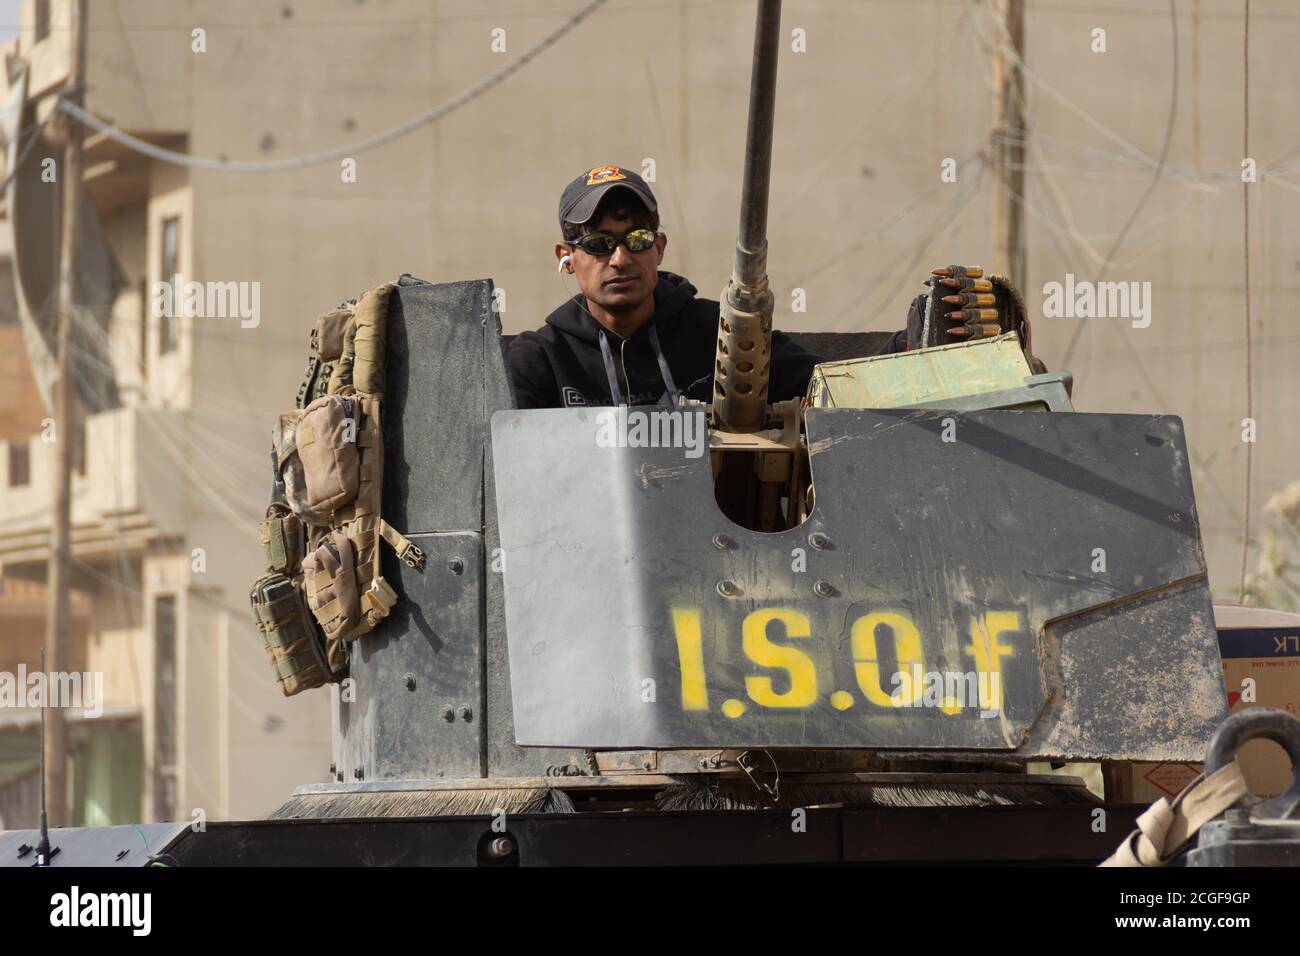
<point>1155,179</point>
<point>1199,464</point>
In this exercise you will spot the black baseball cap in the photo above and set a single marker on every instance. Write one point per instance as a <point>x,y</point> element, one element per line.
<point>581,197</point>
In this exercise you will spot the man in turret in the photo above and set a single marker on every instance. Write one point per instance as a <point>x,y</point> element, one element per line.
<point>637,335</point>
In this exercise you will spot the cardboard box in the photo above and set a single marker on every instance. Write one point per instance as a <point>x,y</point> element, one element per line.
<point>1259,646</point>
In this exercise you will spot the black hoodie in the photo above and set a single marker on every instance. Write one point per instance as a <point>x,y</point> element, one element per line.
<point>563,363</point>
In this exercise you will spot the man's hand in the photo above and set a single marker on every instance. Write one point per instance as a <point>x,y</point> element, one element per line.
<point>971,308</point>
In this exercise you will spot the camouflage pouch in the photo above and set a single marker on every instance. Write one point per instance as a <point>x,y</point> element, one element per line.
<point>330,583</point>
<point>294,646</point>
<point>284,539</point>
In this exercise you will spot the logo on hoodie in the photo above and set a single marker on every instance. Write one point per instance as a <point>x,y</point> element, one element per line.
<point>603,174</point>
<point>571,396</point>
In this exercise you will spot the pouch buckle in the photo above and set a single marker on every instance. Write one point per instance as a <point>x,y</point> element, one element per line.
<point>380,596</point>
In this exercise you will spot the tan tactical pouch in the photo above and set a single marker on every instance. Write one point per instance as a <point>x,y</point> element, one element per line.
<point>326,348</point>
<point>368,347</point>
<point>317,454</point>
<point>326,442</point>
<point>293,643</point>
<point>362,362</point>
<point>330,329</point>
<point>329,579</point>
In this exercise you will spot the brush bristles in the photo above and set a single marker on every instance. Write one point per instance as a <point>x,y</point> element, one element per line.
<point>423,803</point>
<point>697,794</point>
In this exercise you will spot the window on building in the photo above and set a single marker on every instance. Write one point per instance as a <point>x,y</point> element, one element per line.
<point>168,268</point>
<point>164,700</point>
<point>20,464</point>
<point>42,19</point>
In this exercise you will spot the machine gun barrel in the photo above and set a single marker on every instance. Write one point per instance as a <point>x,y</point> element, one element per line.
<point>745,323</point>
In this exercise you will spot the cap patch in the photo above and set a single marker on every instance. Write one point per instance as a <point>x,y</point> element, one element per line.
<point>603,174</point>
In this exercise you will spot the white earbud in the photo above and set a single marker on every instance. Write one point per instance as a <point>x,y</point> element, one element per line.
<point>564,261</point>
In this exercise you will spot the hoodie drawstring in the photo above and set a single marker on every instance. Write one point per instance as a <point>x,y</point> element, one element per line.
<point>669,384</point>
<point>615,392</point>
<point>611,373</point>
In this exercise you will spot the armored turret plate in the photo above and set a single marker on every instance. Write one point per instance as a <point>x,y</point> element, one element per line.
<point>1024,583</point>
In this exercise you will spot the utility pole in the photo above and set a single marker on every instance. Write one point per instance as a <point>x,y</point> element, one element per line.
<point>59,569</point>
<point>1009,136</point>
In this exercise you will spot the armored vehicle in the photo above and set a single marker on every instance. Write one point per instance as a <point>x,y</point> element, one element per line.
<point>873,612</point>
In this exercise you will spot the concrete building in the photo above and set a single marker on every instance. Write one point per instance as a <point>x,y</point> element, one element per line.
<point>873,98</point>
